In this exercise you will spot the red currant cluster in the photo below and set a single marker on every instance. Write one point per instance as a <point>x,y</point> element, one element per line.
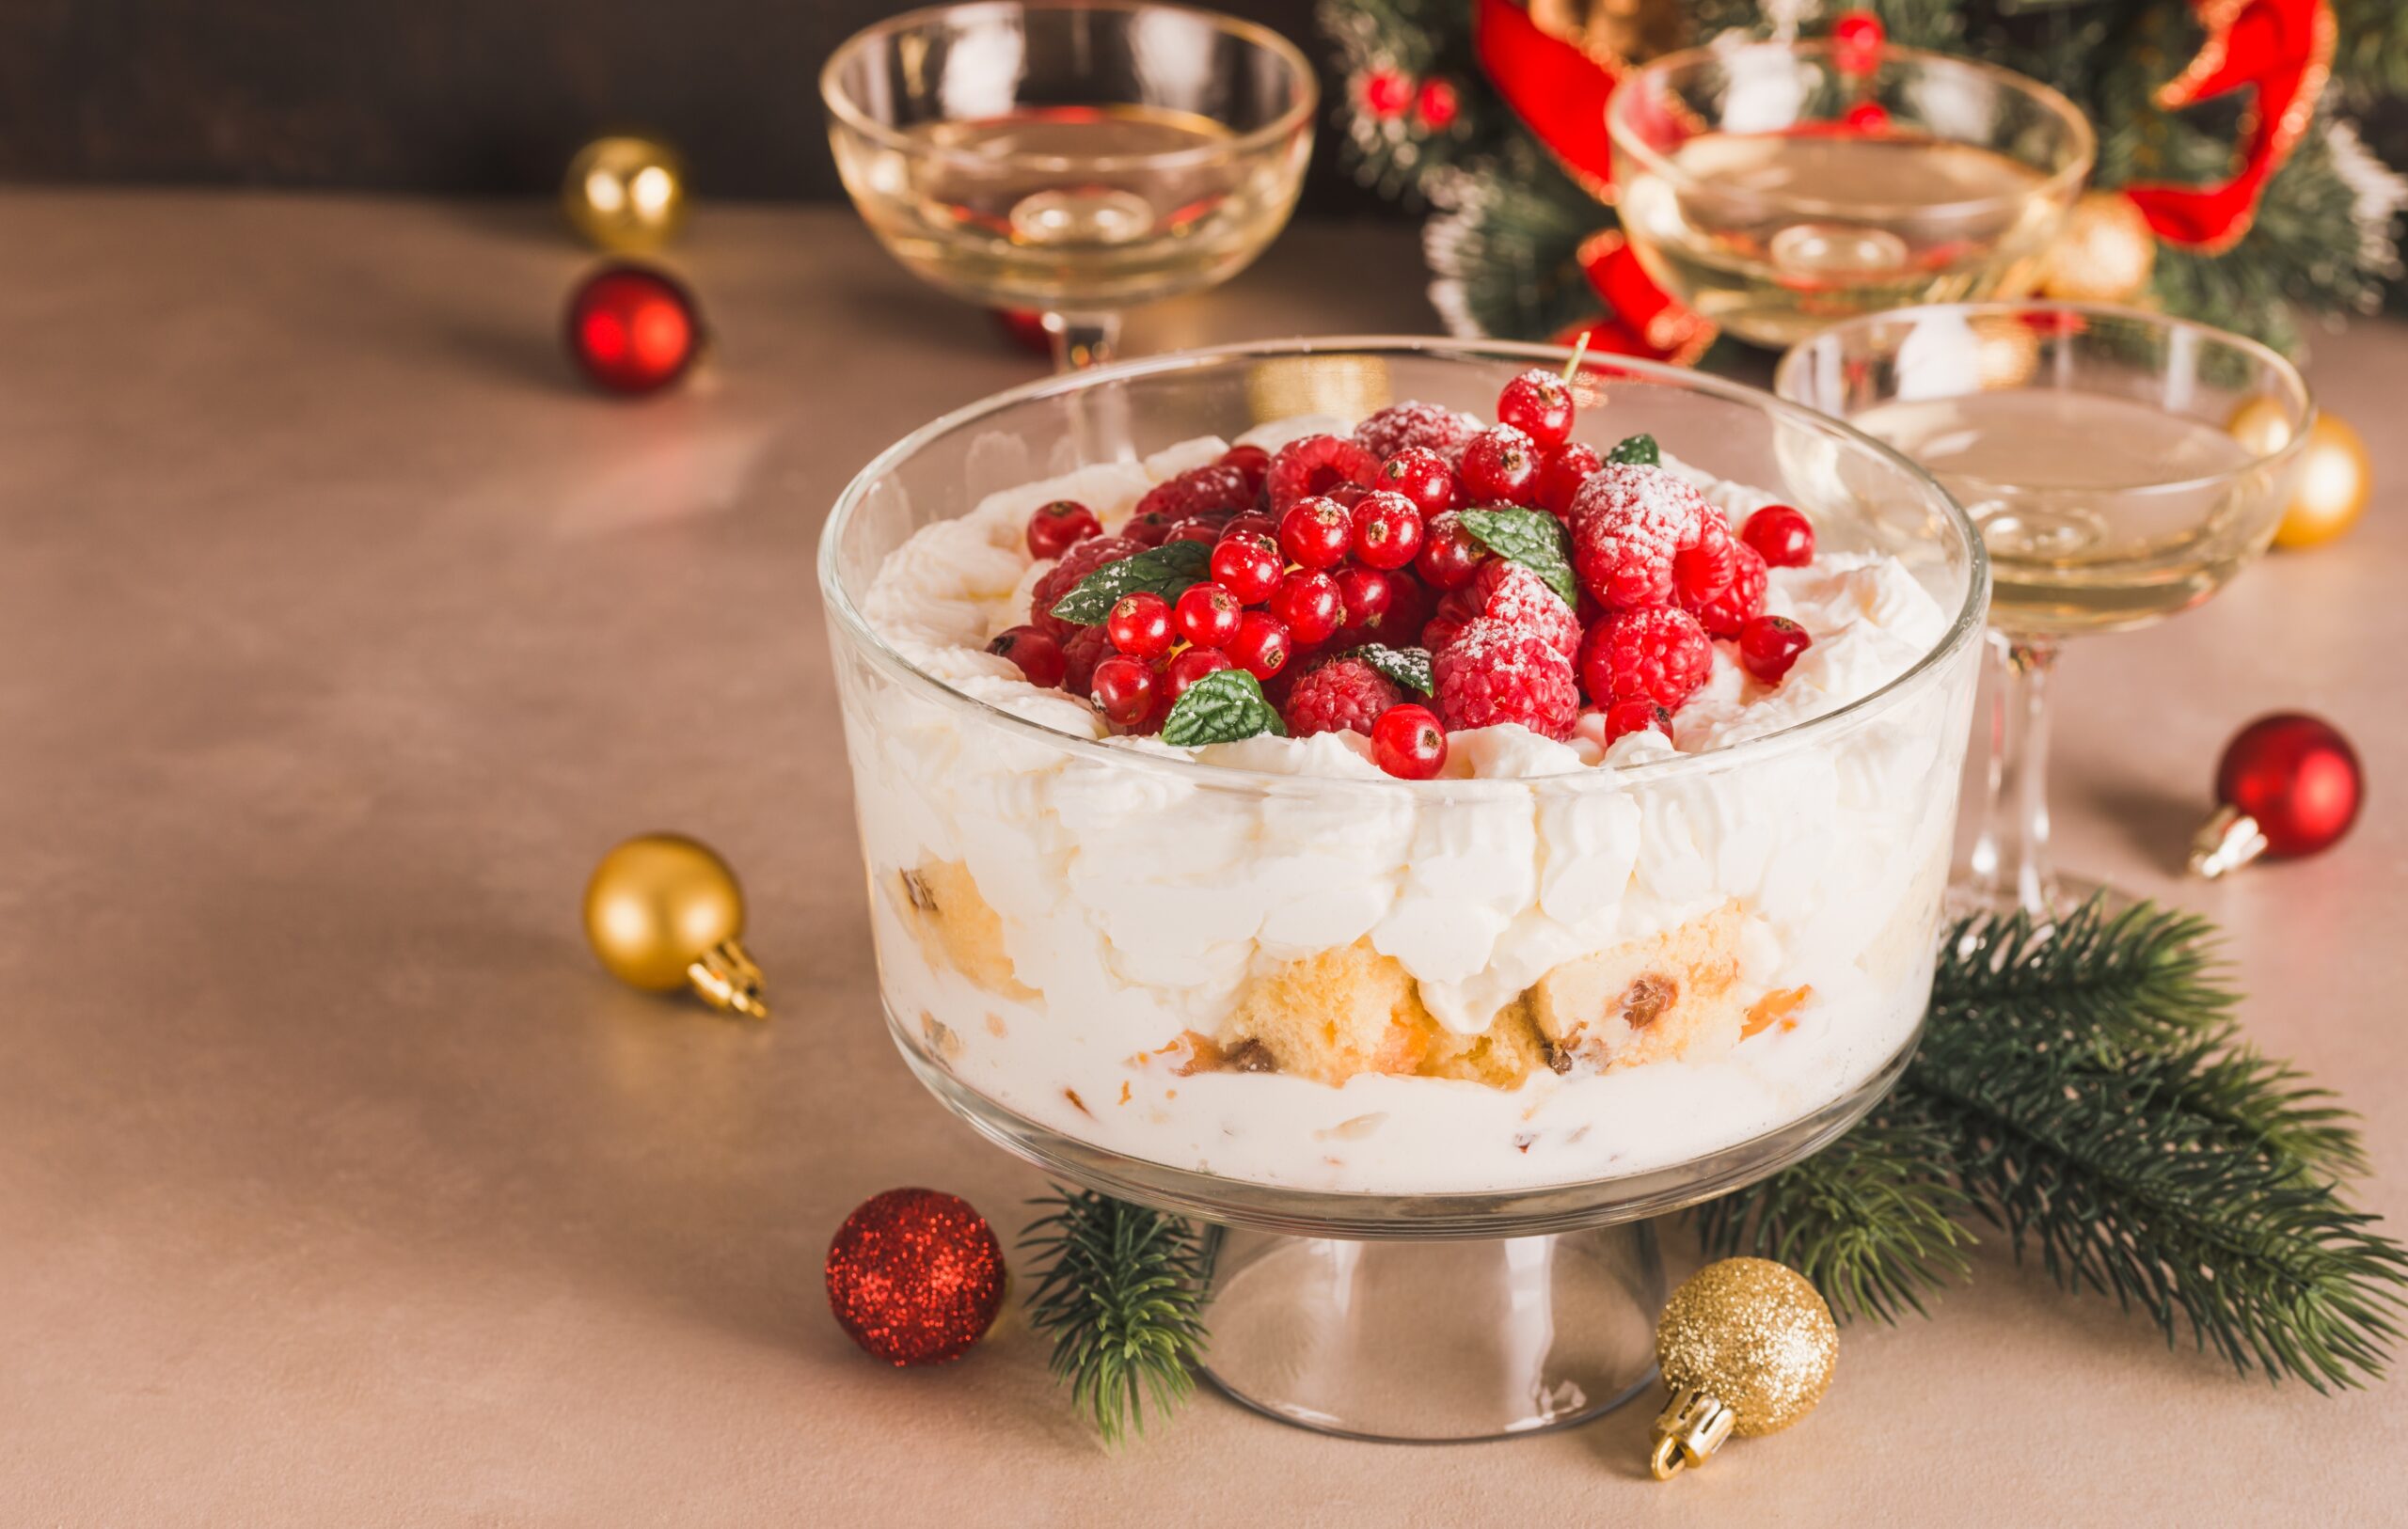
<point>1331,556</point>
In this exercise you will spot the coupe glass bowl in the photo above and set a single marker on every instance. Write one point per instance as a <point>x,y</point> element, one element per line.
<point>1051,913</point>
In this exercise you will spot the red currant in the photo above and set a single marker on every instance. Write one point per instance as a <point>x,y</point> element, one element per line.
<point>1783,537</point>
<point>1248,566</point>
<point>1139,624</point>
<point>1315,533</point>
<point>1449,554</point>
<point>1500,466</point>
<point>1207,615</point>
<point>1636,715</point>
<point>1366,593</point>
<point>1408,742</point>
<point>1260,647</point>
<point>1189,666</point>
<point>1124,689</point>
<point>1867,117</point>
<point>1254,523</point>
<point>1387,530</point>
<point>1152,529</point>
<point>1770,644</point>
<point>1309,606</point>
<point>1038,654</point>
<point>1422,476</point>
<point>1539,405</point>
<point>1563,471</point>
<point>1253,461</point>
<point>1055,526</point>
<point>1855,42</point>
<point>1195,528</point>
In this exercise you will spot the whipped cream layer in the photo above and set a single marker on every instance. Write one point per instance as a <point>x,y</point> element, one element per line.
<point>1138,898</point>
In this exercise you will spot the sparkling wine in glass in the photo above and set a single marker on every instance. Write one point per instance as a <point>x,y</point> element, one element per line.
<point>1074,158</point>
<point>1775,187</point>
<point>2120,467</point>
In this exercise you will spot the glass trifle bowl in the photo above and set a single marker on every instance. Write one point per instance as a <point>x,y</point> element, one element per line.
<point>1423,1053</point>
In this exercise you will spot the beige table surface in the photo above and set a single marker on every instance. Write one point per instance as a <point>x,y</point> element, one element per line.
<point>339,631</point>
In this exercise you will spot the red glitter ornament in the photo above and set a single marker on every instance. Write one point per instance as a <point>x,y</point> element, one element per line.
<point>2289,784</point>
<point>632,329</point>
<point>915,1276</point>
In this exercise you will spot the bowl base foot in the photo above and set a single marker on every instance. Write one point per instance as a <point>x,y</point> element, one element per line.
<point>1433,1341</point>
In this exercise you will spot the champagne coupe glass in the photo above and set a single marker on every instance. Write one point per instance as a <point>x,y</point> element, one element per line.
<point>1404,1254</point>
<point>1076,157</point>
<point>1775,187</point>
<point>2122,465</point>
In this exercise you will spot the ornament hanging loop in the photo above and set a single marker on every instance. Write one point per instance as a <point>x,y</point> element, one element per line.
<point>2227,841</point>
<point>727,978</point>
<point>1692,1425</point>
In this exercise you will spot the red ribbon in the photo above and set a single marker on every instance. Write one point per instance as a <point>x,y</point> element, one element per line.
<point>2284,49</point>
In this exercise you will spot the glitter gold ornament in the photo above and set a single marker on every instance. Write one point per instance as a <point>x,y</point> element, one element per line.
<point>2105,254</point>
<point>663,912</point>
<point>1747,1347</point>
<point>625,194</point>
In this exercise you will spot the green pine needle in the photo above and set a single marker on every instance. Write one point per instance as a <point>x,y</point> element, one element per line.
<point>2084,1089</point>
<point>1119,1291</point>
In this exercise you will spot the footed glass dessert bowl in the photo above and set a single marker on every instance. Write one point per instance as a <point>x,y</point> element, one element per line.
<point>1423,1022</point>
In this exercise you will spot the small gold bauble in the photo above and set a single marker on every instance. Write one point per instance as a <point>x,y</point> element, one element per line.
<point>2335,482</point>
<point>625,194</point>
<point>663,912</point>
<point>2105,254</point>
<point>1747,1347</point>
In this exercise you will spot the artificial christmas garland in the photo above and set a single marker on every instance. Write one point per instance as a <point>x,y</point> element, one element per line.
<point>2084,1089</point>
<point>2233,185</point>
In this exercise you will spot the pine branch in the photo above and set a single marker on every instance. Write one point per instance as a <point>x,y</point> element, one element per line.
<point>2140,978</point>
<point>1120,1290</point>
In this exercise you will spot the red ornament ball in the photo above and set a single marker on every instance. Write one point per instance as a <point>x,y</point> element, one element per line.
<point>1857,38</point>
<point>632,329</point>
<point>2297,777</point>
<point>1386,93</point>
<point>1437,104</point>
<point>915,1276</point>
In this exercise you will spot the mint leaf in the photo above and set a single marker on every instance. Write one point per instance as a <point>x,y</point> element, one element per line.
<point>1166,570</point>
<point>1406,666</point>
<point>1641,449</point>
<point>1222,707</point>
<point>1532,538</point>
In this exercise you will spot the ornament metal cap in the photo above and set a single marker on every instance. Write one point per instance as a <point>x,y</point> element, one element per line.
<point>2227,841</point>
<point>1692,1425</point>
<point>663,911</point>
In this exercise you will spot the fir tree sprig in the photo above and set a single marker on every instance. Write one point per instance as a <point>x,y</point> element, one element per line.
<point>2084,1089</point>
<point>1119,1292</point>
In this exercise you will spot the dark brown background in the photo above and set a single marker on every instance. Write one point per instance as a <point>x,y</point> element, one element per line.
<point>477,96</point>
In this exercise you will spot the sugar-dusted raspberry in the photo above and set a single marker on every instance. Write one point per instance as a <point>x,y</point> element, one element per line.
<point>1770,644</point>
<point>1702,571</point>
<point>1456,610</point>
<point>1083,559</point>
<point>1317,464</point>
<point>1508,591</point>
<point>1207,490</point>
<point>1741,600</point>
<point>1629,522</point>
<point>1338,695</point>
<point>1659,653</point>
<point>1496,673</point>
<point>1401,425</point>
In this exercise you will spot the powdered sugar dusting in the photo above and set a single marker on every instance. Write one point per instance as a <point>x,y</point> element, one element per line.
<point>1629,521</point>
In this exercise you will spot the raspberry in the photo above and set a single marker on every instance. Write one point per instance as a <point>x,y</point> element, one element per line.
<point>1457,610</point>
<point>1338,695</point>
<point>1450,554</point>
<point>1539,405</point>
<point>1316,464</point>
<point>1784,537</point>
<point>1770,644</point>
<point>1628,524</point>
<point>1496,673</point>
<point>1500,466</point>
<point>1702,572</point>
<point>1561,472</point>
<point>1659,654</point>
<point>1636,715</point>
<point>1387,530</point>
<point>1055,527</point>
<point>1039,656</point>
<point>1085,646</point>
<point>1422,476</point>
<point>1252,460</point>
<point>1198,491</point>
<point>1742,598</point>
<point>1408,743</point>
<point>1401,425</point>
<point>1508,591</point>
<point>1083,559</point>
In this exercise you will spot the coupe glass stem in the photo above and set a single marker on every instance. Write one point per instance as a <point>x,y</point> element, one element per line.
<point>1082,339</point>
<point>2008,865</point>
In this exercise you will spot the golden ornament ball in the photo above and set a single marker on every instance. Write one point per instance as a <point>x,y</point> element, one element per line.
<point>2336,484</point>
<point>625,194</point>
<point>2105,254</point>
<point>663,911</point>
<point>1747,1347</point>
